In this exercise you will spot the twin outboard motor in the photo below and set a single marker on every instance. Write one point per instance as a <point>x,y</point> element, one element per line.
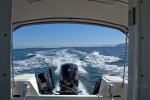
<point>68,78</point>
<point>68,81</point>
<point>46,83</point>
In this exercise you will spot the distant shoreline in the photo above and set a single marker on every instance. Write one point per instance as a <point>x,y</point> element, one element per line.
<point>72,47</point>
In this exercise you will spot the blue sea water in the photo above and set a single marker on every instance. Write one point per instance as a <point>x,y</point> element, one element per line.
<point>92,63</point>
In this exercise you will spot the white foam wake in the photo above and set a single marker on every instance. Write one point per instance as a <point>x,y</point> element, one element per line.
<point>62,57</point>
<point>101,62</point>
<point>57,57</point>
<point>82,88</point>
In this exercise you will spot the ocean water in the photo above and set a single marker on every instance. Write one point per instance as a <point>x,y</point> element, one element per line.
<point>92,63</point>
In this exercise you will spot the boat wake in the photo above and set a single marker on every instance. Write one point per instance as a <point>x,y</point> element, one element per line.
<point>90,65</point>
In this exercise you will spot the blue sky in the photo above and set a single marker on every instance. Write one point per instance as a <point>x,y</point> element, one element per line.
<point>66,35</point>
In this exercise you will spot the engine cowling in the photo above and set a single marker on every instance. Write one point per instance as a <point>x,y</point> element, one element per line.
<point>68,77</point>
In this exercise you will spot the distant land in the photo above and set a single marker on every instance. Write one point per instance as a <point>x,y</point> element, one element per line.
<point>23,47</point>
<point>121,45</point>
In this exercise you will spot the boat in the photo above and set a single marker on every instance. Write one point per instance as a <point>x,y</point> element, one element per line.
<point>31,86</point>
<point>130,17</point>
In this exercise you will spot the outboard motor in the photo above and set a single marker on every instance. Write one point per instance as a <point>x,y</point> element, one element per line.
<point>96,87</point>
<point>44,84</point>
<point>68,79</point>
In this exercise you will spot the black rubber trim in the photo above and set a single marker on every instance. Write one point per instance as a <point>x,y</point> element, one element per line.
<point>117,96</point>
<point>16,95</point>
<point>69,22</point>
<point>75,22</point>
<point>123,2</point>
<point>107,3</point>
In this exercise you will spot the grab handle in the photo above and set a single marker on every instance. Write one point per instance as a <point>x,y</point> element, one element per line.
<point>25,91</point>
<point>111,91</point>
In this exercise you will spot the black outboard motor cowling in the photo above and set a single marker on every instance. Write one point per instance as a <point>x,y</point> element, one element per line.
<point>69,77</point>
<point>44,83</point>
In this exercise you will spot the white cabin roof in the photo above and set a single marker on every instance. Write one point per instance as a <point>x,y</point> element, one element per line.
<point>109,13</point>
